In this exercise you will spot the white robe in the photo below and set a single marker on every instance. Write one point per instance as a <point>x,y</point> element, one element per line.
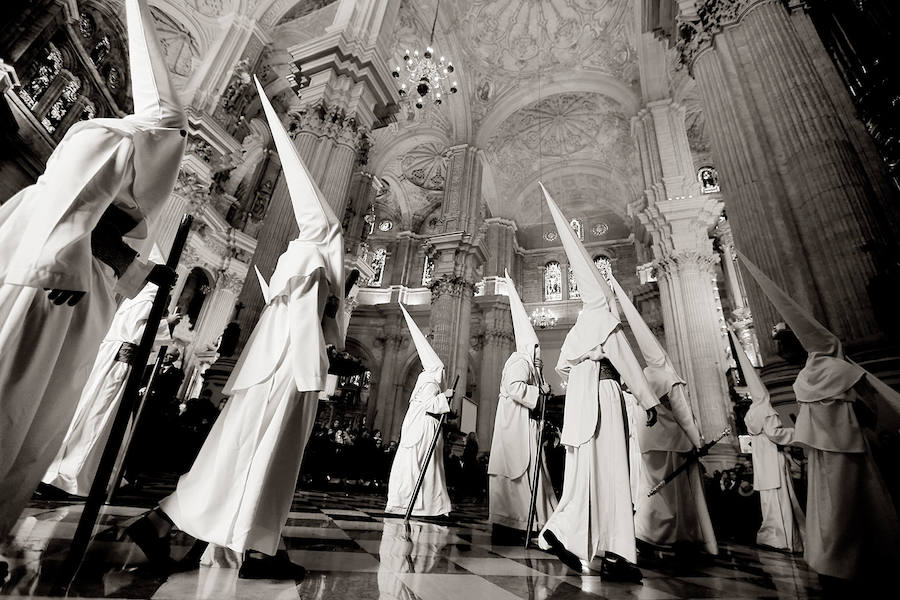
<point>75,465</point>
<point>239,490</point>
<point>416,433</point>
<point>594,514</point>
<point>511,466</point>
<point>852,529</point>
<point>783,521</point>
<point>678,512</point>
<point>48,350</point>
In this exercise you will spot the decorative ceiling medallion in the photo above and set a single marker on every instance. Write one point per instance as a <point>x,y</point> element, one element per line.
<point>599,229</point>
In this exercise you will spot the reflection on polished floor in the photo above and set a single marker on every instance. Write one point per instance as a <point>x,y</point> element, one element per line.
<point>351,551</point>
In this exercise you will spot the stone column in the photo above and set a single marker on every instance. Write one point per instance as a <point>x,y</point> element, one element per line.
<point>801,202</point>
<point>677,217</point>
<point>389,379</point>
<point>498,343</point>
<point>458,252</point>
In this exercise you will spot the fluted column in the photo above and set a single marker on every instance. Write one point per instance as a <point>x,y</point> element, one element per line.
<point>451,319</point>
<point>800,201</point>
<point>498,342</point>
<point>677,217</point>
<point>687,287</point>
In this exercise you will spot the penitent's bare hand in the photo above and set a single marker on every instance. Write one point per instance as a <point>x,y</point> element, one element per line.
<point>60,297</point>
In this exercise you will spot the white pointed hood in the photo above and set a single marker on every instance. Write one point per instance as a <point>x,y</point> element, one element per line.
<point>317,223</point>
<point>431,362</point>
<point>526,338</point>
<point>761,406</point>
<point>660,373</point>
<point>826,373</point>
<point>156,102</point>
<point>600,316</point>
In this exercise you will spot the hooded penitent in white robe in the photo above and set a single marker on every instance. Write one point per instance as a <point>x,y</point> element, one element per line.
<point>594,515</point>
<point>852,529</point>
<point>513,451</point>
<point>76,463</point>
<point>677,513</point>
<point>514,444</point>
<point>239,490</point>
<point>45,242</point>
<point>416,433</point>
<point>782,518</point>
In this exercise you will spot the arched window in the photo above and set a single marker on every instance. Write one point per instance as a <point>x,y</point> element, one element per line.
<point>427,271</point>
<point>379,258</point>
<point>552,281</point>
<point>44,73</point>
<point>573,285</point>
<point>604,265</point>
<point>61,107</point>
<point>577,226</point>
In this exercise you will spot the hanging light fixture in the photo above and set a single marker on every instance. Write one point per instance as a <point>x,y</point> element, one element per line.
<point>543,318</point>
<point>425,80</point>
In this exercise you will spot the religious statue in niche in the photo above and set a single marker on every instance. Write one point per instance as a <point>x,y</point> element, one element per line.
<point>240,79</point>
<point>709,180</point>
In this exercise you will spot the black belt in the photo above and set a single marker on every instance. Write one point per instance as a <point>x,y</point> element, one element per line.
<point>608,371</point>
<point>126,353</point>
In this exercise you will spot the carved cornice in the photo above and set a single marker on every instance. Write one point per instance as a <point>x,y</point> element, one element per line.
<point>456,287</point>
<point>696,32</point>
<point>498,336</point>
<point>679,261</point>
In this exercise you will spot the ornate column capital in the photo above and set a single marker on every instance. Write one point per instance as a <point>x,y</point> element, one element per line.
<point>696,32</point>
<point>456,287</point>
<point>679,261</point>
<point>324,120</point>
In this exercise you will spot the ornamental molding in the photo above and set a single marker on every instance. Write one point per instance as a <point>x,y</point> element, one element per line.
<point>696,33</point>
<point>678,262</point>
<point>333,122</point>
<point>456,287</point>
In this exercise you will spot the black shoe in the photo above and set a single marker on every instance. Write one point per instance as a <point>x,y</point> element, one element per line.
<point>620,570</point>
<point>191,560</point>
<point>567,558</point>
<point>156,549</point>
<point>270,567</point>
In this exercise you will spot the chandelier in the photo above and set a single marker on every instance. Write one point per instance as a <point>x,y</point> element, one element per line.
<point>543,318</point>
<point>426,80</point>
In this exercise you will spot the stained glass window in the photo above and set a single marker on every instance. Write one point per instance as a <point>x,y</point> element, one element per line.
<point>604,265</point>
<point>578,227</point>
<point>573,285</point>
<point>379,258</point>
<point>552,281</point>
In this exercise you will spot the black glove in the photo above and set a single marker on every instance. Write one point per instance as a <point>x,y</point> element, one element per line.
<point>60,297</point>
<point>651,416</point>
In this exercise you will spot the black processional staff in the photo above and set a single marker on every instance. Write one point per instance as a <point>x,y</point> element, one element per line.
<point>535,480</point>
<point>694,457</point>
<point>428,455</point>
<point>97,495</point>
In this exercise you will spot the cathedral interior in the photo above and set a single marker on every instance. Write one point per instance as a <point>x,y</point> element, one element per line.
<point>674,134</point>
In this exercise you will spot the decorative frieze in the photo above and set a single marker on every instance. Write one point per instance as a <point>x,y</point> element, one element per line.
<point>456,287</point>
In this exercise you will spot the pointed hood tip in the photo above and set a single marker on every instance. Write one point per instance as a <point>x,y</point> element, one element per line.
<point>431,362</point>
<point>154,95</point>
<point>526,338</point>
<point>812,335</point>
<point>595,291</point>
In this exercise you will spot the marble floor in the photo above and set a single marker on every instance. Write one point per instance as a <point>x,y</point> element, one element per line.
<point>353,551</point>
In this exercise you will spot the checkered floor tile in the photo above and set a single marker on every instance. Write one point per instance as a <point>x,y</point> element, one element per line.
<point>352,550</point>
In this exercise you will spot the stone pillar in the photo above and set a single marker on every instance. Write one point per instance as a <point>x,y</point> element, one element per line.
<point>390,384</point>
<point>677,217</point>
<point>458,252</point>
<point>801,202</point>
<point>498,342</point>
